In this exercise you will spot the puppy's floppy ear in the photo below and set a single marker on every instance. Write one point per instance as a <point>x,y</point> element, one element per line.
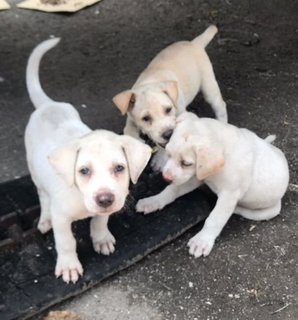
<point>210,160</point>
<point>124,101</point>
<point>171,89</point>
<point>63,160</point>
<point>137,154</point>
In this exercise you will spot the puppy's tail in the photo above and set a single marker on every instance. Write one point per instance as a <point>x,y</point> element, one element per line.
<point>36,93</point>
<point>270,138</point>
<point>203,39</point>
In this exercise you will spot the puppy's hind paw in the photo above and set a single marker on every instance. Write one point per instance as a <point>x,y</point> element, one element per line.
<point>44,225</point>
<point>200,245</point>
<point>223,117</point>
<point>104,245</point>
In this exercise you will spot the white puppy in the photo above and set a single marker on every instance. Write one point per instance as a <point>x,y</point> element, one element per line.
<point>167,86</point>
<point>78,172</point>
<point>248,174</point>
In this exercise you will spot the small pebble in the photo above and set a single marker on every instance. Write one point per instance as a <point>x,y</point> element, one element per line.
<point>252,227</point>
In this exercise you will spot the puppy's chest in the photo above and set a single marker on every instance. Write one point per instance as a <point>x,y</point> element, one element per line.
<point>217,184</point>
<point>81,214</point>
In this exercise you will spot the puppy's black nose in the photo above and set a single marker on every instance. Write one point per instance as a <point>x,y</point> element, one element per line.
<point>167,134</point>
<point>104,200</point>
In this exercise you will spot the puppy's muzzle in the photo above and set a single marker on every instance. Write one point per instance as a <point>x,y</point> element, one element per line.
<point>166,135</point>
<point>105,200</point>
<point>169,178</point>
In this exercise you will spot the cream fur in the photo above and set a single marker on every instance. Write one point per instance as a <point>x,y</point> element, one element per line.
<point>248,174</point>
<point>78,173</point>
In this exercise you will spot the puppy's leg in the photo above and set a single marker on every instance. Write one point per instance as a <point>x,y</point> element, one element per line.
<point>202,243</point>
<point>44,223</point>
<point>159,160</point>
<point>212,95</point>
<point>103,240</point>
<point>68,265</point>
<point>260,214</point>
<point>131,129</point>
<point>168,195</point>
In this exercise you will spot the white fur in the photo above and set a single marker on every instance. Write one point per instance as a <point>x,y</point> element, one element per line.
<point>58,147</point>
<point>248,174</point>
<point>171,80</point>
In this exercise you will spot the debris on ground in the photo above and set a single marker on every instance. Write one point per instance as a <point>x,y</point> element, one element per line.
<point>4,5</point>
<point>63,315</point>
<point>56,5</point>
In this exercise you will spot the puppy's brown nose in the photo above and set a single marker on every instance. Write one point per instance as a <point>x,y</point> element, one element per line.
<point>167,134</point>
<point>105,200</point>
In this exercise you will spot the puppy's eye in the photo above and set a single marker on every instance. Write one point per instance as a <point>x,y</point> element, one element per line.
<point>168,110</point>
<point>185,163</point>
<point>147,119</point>
<point>85,171</point>
<point>119,168</point>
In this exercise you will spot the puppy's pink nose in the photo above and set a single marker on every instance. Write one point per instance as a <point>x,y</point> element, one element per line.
<point>168,177</point>
<point>105,199</point>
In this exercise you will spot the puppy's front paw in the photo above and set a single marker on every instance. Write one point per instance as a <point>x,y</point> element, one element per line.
<point>148,205</point>
<point>104,243</point>
<point>69,267</point>
<point>200,245</point>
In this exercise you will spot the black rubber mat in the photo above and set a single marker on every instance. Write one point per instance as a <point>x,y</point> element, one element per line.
<point>27,258</point>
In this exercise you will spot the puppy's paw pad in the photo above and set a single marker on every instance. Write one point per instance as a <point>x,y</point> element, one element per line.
<point>69,268</point>
<point>104,245</point>
<point>200,245</point>
<point>44,226</point>
<point>147,205</point>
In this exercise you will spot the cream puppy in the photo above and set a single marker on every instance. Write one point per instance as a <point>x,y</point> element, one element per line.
<point>78,172</point>
<point>167,86</point>
<point>248,174</point>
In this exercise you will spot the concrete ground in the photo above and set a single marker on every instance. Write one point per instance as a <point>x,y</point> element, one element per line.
<point>252,270</point>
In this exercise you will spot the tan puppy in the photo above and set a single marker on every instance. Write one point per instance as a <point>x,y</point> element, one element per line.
<point>167,86</point>
<point>78,173</point>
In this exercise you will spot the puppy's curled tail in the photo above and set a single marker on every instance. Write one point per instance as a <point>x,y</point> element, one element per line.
<point>36,93</point>
<point>204,38</point>
<point>270,138</point>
